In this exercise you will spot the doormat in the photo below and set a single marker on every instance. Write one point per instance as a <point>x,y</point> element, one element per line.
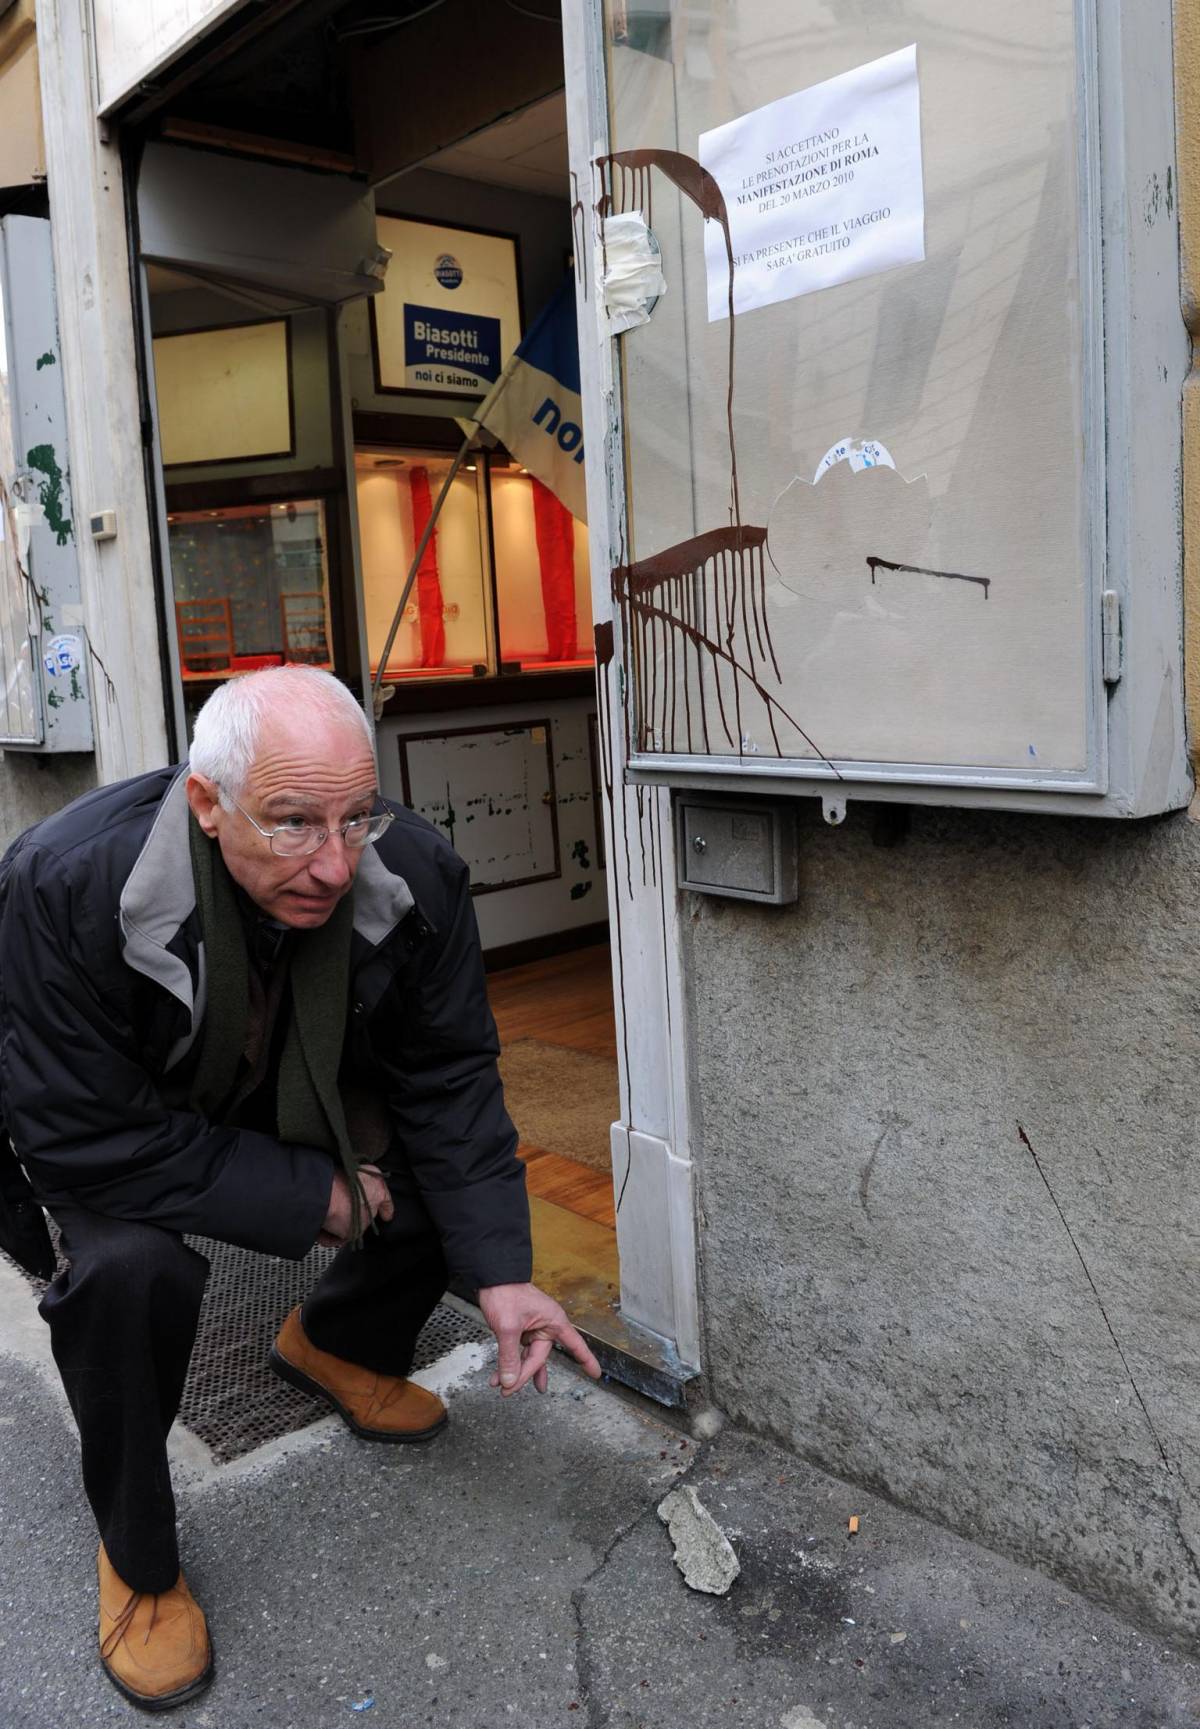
<point>563,1101</point>
<point>231,1400</point>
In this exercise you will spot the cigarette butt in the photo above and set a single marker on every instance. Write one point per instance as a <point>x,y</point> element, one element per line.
<point>853,1527</point>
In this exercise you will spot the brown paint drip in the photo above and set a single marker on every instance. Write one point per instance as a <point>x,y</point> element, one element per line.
<point>694,598</point>
<point>579,235</point>
<point>626,175</point>
<point>705,598</point>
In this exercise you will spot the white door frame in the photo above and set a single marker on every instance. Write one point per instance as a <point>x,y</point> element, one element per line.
<point>651,1146</point>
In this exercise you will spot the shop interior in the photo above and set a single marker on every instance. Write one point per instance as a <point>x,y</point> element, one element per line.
<point>296,483</point>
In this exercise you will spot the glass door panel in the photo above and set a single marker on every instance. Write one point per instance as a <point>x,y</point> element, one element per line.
<point>857,514</point>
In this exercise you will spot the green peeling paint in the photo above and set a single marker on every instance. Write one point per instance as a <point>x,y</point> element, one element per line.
<point>46,359</point>
<point>54,699</point>
<point>50,490</point>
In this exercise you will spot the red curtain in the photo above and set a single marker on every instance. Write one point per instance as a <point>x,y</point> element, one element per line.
<point>555,528</point>
<point>429,583</point>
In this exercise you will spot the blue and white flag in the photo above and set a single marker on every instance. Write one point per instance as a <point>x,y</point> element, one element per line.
<point>534,407</point>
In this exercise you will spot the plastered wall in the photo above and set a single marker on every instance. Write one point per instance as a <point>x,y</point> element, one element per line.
<point>1004,1336</point>
<point>33,787</point>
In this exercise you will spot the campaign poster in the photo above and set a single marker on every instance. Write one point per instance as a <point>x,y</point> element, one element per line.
<point>449,314</point>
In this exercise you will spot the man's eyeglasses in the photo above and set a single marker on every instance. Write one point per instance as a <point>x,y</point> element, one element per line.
<point>293,838</point>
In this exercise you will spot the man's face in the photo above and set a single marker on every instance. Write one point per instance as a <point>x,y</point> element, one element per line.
<point>311,768</point>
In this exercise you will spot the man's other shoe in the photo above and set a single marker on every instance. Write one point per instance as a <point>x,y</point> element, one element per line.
<point>154,1645</point>
<point>377,1407</point>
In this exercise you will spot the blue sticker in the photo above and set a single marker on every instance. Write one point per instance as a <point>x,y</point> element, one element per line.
<point>62,655</point>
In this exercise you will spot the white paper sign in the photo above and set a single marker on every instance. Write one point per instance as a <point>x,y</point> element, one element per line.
<point>820,187</point>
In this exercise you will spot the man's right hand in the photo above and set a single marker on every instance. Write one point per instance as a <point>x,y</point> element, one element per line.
<point>376,1201</point>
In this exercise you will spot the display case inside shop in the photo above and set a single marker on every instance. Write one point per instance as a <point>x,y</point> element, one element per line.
<point>251,586</point>
<point>543,586</point>
<point>445,631</point>
<point>502,585</point>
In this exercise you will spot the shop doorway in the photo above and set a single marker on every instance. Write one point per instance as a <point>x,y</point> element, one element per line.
<point>279,180</point>
<point>558,1043</point>
<point>294,485</point>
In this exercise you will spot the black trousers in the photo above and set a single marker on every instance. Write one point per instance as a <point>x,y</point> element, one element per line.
<point>123,1322</point>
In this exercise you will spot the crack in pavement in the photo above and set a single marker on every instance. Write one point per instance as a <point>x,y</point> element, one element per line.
<point>596,1713</point>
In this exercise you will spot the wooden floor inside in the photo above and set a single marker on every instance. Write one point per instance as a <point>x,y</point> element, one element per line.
<point>565,1000</point>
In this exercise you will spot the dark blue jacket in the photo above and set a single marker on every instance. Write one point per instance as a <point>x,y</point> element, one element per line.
<point>102,995</point>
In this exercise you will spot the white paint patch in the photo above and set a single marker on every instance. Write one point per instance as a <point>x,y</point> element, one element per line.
<point>800,1718</point>
<point>455,1367</point>
<point>194,1469</point>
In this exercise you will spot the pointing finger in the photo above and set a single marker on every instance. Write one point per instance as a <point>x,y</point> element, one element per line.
<point>508,1359</point>
<point>574,1342</point>
<point>534,1365</point>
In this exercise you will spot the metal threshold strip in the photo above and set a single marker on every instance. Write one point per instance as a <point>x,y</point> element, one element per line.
<point>629,1354</point>
<point>637,1357</point>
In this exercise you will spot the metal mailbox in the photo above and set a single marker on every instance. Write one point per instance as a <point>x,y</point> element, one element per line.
<point>742,848</point>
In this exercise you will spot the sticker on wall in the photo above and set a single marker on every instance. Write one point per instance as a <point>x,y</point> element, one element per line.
<point>821,187</point>
<point>448,271</point>
<point>860,453</point>
<point>62,656</point>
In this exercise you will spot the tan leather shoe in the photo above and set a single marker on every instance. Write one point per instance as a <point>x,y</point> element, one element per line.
<point>154,1646</point>
<point>377,1407</point>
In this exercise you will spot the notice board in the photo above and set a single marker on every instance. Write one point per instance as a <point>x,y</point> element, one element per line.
<point>866,532</point>
<point>490,789</point>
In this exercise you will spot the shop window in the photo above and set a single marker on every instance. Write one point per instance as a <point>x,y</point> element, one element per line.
<point>446,628</point>
<point>503,586</point>
<point>251,587</point>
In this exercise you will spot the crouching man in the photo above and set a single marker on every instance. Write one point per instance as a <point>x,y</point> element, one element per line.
<point>246,1000</point>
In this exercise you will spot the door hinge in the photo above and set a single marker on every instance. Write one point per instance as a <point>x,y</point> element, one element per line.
<point>1110,622</point>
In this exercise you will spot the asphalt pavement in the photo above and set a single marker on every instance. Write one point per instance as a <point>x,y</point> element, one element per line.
<point>515,1572</point>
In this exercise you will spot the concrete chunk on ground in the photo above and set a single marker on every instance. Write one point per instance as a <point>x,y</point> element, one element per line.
<point>703,1553</point>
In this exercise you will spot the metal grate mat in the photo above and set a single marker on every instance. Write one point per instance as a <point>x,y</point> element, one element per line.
<point>231,1399</point>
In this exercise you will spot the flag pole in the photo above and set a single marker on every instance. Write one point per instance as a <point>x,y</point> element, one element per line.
<point>478,420</point>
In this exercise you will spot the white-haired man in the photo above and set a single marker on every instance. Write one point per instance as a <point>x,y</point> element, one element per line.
<point>245,999</point>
